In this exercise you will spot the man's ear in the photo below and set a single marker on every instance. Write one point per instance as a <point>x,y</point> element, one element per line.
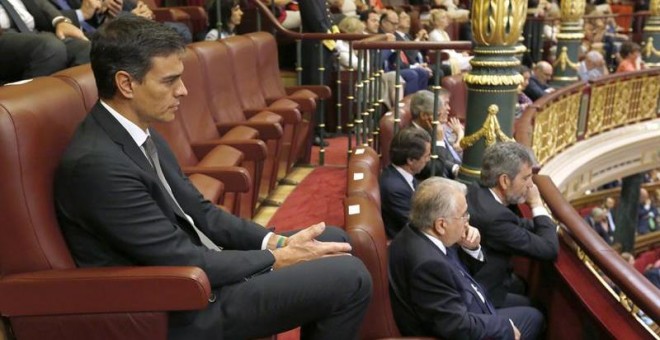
<point>504,182</point>
<point>124,82</point>
<point>439,226</point>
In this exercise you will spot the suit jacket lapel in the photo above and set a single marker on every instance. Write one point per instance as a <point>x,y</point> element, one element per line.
<point>120,136</point>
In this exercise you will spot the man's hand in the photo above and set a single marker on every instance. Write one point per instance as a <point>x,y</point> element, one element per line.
<point>67,30</point>
<point>302,246</point>
<point>456,126</point>
<point>422,35</point>
<point>534,197</point>
<point>471,238</point>
<point>112,7</point>
<point>89,8</point>
<point>142,10</point>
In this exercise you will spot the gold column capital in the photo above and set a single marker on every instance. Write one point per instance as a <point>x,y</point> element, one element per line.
<point>498,22</point>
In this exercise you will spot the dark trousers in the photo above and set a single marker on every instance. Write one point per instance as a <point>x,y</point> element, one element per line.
<point>326,297</point>
<point>29,55</point>
<point>528,320</point>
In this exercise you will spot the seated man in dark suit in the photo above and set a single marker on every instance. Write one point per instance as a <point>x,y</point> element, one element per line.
<point>597,220</point>
<point>410,151</point>
<point>37,40</point>
<point>421,113</point>
<point>506,181</point>
<point>122,200</point>
<point>432,292</point>
<point>538,84</point>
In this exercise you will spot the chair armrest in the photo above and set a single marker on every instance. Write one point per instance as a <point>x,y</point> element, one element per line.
<point>235,178</point>
<point>289,116</point>
<point>305,104</point>
<point>267,130</point>
<point>103,290</point>
<point>170,14</point>
<point>322,91</point>
<point>252,149</point>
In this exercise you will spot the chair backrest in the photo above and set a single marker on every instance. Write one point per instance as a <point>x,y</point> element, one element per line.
<point>367,233</point>
<point>361,181</point>
<point>243,57</point>
<point>222,96</point>
<point>195,115</point>
<point>268,65</point>
<point>368,157</point>
<point>82,79</point>
<point>386,134</point>
<point>37,121</point>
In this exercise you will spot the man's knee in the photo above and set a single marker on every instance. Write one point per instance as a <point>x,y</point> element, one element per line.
<point>354,276</point>
<point>50,54</point>
<point>333,234</point>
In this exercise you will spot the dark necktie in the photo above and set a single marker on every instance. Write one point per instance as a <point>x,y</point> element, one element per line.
<point>415,183</point>
<point>64,5</point>
<point>14,16</point>
<point>152,156</point>
<point>453,257</point>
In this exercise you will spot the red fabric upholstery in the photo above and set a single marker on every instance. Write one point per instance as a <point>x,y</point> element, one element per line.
<point>195,17</point>
<point>225,111</point>
<point>387,133</point>
<point>41,292</point>
<point>363,174</point>
<point>82,79</point>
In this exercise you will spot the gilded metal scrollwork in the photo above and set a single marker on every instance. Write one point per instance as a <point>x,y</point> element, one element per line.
<point>654,7</point>
<point>490,130</point>
<point>572,10</point>
<point>649,49</point>
<point>498,22</point>
<point>493,79</point>
<point>563,60</point>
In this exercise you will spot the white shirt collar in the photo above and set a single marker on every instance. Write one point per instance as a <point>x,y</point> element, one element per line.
<point>497,198</point>
<point>437,243</point>
<point>138,135</point>
<point>406,175</point>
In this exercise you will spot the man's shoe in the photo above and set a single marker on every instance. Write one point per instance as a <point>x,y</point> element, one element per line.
<point>317,142</point>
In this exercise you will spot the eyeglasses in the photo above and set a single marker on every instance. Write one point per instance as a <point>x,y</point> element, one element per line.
<point>465,217</point>
<point>395,23</point>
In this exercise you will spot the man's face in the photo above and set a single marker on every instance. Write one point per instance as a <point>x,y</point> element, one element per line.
<point>544,74</point>
<point>517,188</point>
<point>609,203</point>
<point>156,97</point>
<point>404,21</point>
<point>416,165</point>
<point>456,225</point>
<point>391,22</point>
<point>443,111</point>
<point>372,23</point>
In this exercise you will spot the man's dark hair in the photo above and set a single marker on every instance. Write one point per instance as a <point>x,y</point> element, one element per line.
<point>129,43</point>
<point>627,48</point>
<point>408,143</point>
<point>364,15</point>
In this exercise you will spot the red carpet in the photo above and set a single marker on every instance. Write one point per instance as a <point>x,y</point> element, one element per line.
<point>319,198</point>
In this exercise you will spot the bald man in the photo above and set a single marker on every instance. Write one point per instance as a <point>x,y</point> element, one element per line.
<point>538,84</point>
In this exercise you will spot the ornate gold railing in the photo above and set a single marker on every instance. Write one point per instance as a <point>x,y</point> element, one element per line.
<point>560,119</point>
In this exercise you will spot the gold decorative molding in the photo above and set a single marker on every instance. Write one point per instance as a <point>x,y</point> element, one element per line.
<point>493,91</point>
<point>648,28</point>
<point>575,78</point>
<point>570,36</point>
<point>495,63</point>
<point>563,60</point>
<point>498,22</point>
<point>490,79</point>
<point>649,49</point>
<point>478,50</point>
<point>654,7</point>
<point>469,171</point>
<point>572,10</point>
<point>490,130</point>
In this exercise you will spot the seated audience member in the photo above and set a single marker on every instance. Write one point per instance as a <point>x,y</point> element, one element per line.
<point>421,112</point>
<point>231,15</point>
<point>592,67</point>
<point>538,83</point>
<point>647,214</point>
<point>506,181</point>
<point>523,100</point>
<point>403,30</point>
<point>287,13</point>
<point>409,152</point>
<point>122,200</point>
<point>413,68</point>
<point>88,14</point>
<point>348,58</point>
<point>431,290</point>
<point>631,58</point>
<point>608,206</point>
<point>140,9</point>
<point>597,220</point>
<point>439,20</point>
<point>455,12</point>
<point>37,40</point>
<point>371,20</point>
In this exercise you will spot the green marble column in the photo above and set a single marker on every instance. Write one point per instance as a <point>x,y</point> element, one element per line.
<point>568,43</point>
<point>493,81</point>
<point>651,40</point>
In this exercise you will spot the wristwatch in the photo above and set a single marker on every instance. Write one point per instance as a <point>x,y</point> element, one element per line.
<point>59,19</point>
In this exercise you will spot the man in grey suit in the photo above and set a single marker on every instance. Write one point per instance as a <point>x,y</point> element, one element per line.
<point>122,200</point>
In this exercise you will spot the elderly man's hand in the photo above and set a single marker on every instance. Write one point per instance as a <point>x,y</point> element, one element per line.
<point>302,246</point>
<point>67,30</point>
<point>471,239</point>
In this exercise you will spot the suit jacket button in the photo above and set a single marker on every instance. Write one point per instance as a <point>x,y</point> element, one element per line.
<point>212,298</point>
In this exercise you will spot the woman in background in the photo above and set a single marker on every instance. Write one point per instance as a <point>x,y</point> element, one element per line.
<point>230,17</point>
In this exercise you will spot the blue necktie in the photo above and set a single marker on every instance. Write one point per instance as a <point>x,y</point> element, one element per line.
<point>453,152</point>
<point>21,26</point>
<point>64,5</point>
<point>453,256</point>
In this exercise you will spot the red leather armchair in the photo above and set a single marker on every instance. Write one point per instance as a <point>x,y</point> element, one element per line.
<point>42,293</point>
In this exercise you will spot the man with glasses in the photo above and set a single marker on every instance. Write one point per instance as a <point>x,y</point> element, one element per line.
<point>538,84</point>
<point>506,181</point>
<point>432,291</point>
